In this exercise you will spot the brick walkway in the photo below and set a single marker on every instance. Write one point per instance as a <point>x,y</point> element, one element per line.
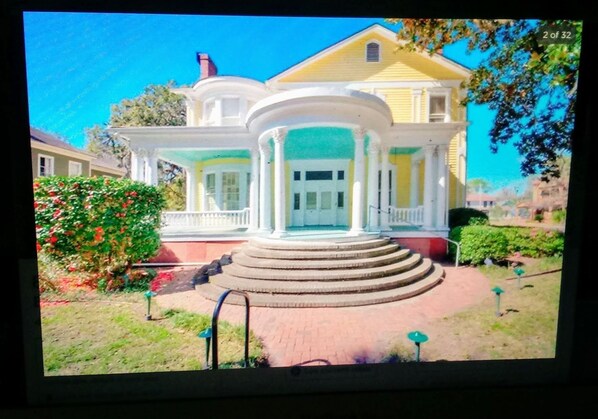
<point>322,336</point>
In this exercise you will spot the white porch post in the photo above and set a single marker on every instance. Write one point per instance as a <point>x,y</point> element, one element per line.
<point>191,188</point>
<point>137,165</point>
<point>373,167</point>
<point>253,190</point>
<point>429,187</point>
<point>151,168</point>
<point>279,136</point>
<point>414,188</point>
<point>265,211</point>
<point>358,181</point>
<point>384,190</point>
<point>441,187</point>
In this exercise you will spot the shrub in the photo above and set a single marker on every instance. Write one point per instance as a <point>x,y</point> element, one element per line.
<point>534,242</point>
<point>479,242</point>
<point>461,216</point>
<point>101,225</point>
<point>539,217</point>
<point>559,216</point>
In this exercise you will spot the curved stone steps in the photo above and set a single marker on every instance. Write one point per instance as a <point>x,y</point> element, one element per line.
<point>435,276</point>
<point>323,287</point>
<point>320,274</point>
<point>245,260</point>
<point>258,252</point>
<point>357,244</point>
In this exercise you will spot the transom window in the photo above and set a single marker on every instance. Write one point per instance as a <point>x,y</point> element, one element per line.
<point>318,175</point>
<point>372,52</point>
<point>45,165</point>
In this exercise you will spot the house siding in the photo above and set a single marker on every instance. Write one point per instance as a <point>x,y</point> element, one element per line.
<point>61,163</point>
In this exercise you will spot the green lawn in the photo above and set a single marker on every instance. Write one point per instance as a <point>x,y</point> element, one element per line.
<point>104,334</point>
<point>526,328</point>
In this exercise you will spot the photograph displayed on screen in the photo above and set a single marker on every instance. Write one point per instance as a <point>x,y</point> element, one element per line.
<point>216,192</point>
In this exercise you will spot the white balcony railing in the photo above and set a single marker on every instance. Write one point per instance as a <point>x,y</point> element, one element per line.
<point>406,216</point>
<point>206,219</point>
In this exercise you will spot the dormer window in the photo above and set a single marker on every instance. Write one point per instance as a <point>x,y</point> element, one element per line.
<point>372,52</point>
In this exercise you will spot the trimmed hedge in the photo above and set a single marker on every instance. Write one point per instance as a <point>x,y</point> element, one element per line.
<point>479,242</point>
<point>458,217</point>
<point>100,225</point>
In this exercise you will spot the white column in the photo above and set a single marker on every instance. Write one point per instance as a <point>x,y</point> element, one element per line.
<point>384,190</point>
<point>358,181</point>
<point>417,104</point>
<point>134,165</point>
<point>254,190</point>
<point>265,211</point>
<point>279,136</point>
<point>429,187</point>
<point>373,167</point>
<point>441,187</point>
<point>414,188</point>
<point>151,168</point>
<point>191,188</point>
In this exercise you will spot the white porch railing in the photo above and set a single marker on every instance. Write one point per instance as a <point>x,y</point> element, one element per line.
<point>206,219</point>
<point>406,216</point>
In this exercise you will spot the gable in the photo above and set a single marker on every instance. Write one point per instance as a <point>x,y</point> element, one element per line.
<point>347,62</point>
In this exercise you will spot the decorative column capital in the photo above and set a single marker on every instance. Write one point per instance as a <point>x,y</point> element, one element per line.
<point>265,150</point>
<point>359,133</point>
<point>384,149</point>
<point>416,92</point>
<point>373,148</point>
<point>279,135</point>
<point>430,149</point>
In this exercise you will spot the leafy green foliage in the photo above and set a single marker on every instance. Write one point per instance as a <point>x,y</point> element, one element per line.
<point>531,87</point>
<point>559,216</point>
<point>479,242</point>
<point>101,225</point>
<point>156,106</point>
<point>462,216</point>
<point>534,242</point>
<point>478,185</point>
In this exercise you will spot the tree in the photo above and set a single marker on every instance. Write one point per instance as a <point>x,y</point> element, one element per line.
<point>478,185</point>
<point>156,106</point>
<point>531,86</point>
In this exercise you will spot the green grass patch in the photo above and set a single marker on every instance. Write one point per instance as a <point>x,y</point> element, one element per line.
<point>109,334</point>
<point>526,329</point>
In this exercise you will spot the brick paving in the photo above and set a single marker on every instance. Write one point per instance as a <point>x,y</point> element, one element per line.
<point>333,336</point>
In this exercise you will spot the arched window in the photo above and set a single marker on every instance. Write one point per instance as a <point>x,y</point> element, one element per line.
<point>372,52</point>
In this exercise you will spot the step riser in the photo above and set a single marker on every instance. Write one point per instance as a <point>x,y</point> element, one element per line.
<point>322,275</point>
<point>331,246</point>
<point>307,255</point>
<point>374,262</point>
<point>312,288</point>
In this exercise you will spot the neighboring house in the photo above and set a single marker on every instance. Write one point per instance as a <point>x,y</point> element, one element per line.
<point>356,137</point>
<point>547,197</point>
<point>52,156</point>
<point>480,201</point>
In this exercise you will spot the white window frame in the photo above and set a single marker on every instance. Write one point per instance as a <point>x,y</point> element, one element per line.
<point>218,170</point>
<point>49,159</point>
<point>441,92</point>
<point>78,165</point>
<point>373,41</point>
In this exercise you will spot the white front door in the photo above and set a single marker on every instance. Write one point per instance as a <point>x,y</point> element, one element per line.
<point>319,191</point>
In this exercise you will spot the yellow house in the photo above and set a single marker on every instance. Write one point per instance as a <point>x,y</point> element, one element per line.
<point>356,139</point>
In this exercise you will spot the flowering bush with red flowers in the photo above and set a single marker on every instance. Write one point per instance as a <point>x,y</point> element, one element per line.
<point>99,225</point>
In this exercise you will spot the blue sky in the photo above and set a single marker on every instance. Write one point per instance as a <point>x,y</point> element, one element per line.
<point>78,65</point>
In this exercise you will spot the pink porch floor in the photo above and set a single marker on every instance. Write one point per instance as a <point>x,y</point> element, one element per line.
<point>336,336</point>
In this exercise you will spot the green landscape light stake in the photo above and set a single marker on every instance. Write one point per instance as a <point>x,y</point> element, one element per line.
<point>207,335</point>
<point>148,296</point>
<point>519,272</point>
<point>418,338</point>
<point>498,291</point>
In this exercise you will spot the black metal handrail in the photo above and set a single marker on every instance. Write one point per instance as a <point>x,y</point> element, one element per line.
<point>446,239</point>
<point>215,326</point>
